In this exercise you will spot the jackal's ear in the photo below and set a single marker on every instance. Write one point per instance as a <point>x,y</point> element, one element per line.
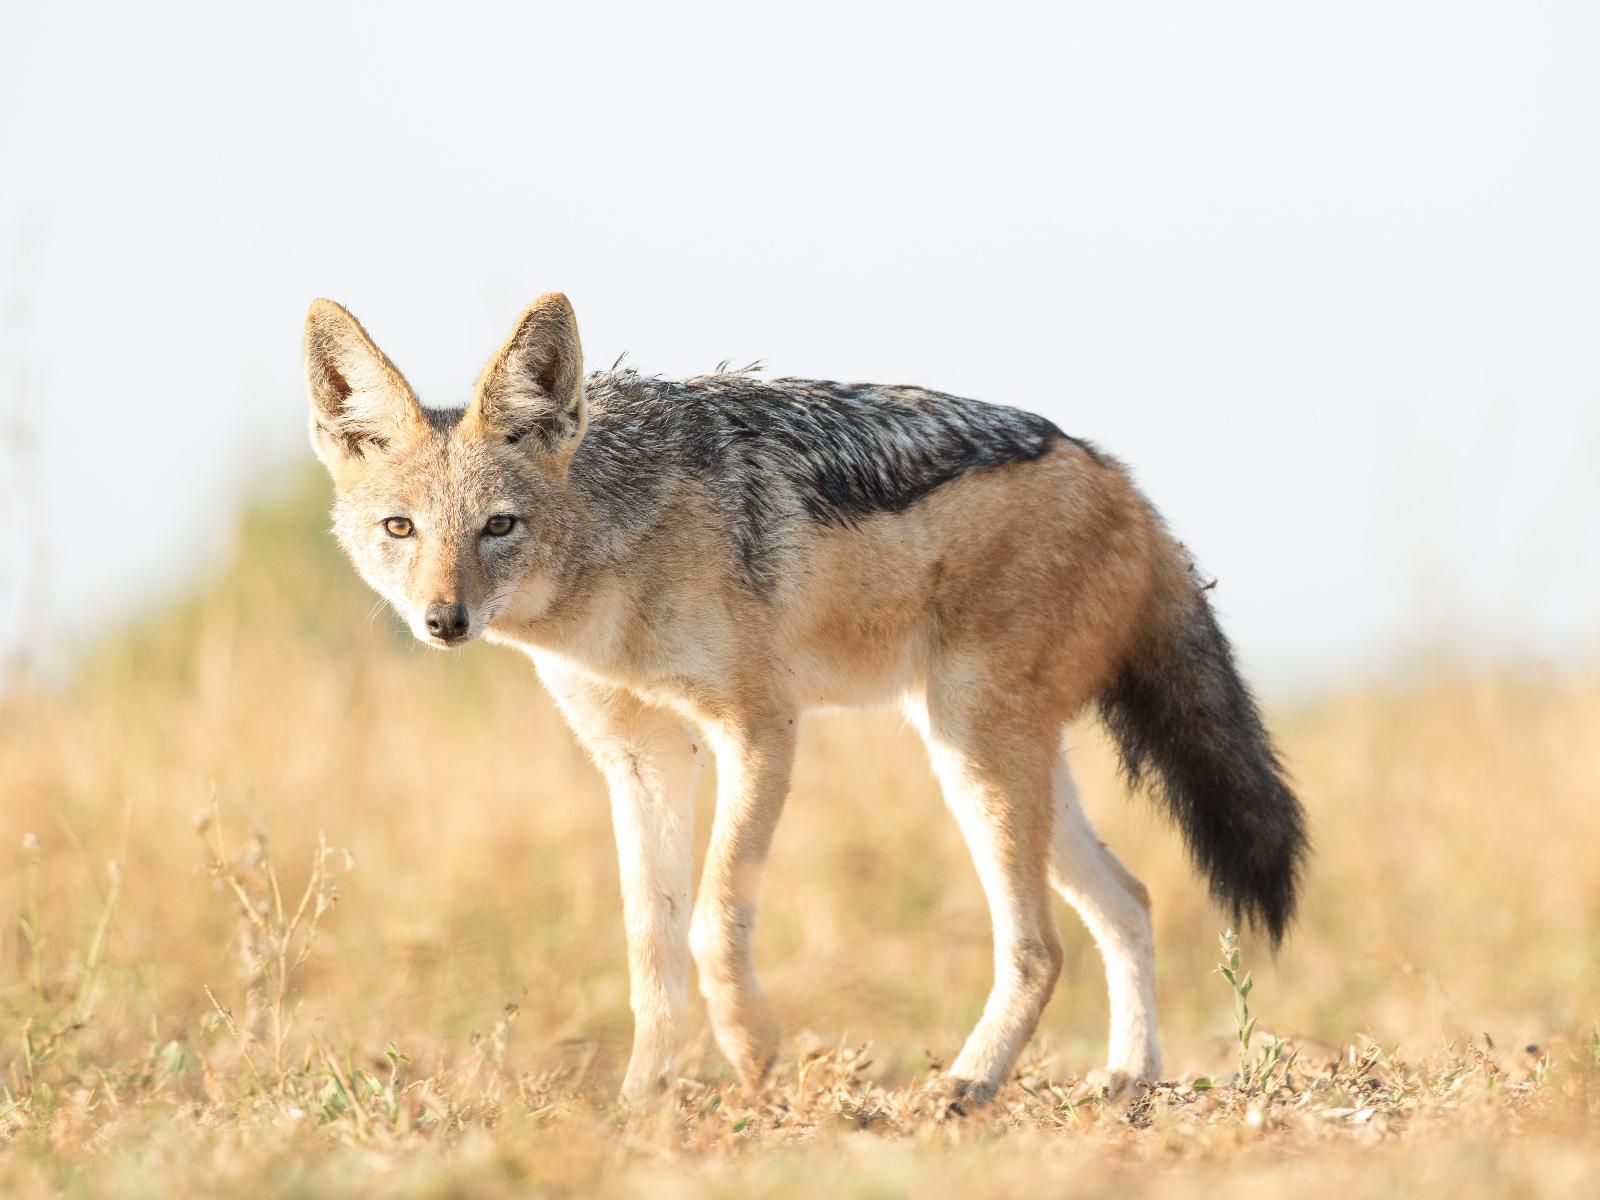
<point>531,393</point>
<point>360,404</point>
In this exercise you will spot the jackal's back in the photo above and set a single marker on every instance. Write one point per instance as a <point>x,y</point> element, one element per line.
<point>774,452</point>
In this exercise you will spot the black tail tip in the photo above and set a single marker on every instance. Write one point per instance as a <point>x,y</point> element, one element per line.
<point>1258,877</point>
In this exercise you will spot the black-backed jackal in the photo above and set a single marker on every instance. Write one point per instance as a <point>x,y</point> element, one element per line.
<point>701,561</point>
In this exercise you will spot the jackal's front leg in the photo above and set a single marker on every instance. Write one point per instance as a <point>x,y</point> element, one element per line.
<point>753,761</point>
<point>650,759</point>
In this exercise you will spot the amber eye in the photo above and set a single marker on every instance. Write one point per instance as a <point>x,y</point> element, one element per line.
<point>500,525</point>
<point>398,527</point>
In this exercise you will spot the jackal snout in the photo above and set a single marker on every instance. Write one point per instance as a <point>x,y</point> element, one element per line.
<point>447,621</point>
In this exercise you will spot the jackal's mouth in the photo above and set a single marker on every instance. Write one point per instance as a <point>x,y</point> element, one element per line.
<point>446,639</point>
<point>449,640</point>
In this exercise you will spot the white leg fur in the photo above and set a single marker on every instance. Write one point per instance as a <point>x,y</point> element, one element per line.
<point>752,782</point>
<point>1116,908</point>
<point>650,759</point>
<point>999,821</point>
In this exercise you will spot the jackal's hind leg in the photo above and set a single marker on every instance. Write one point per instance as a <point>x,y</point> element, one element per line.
<point>998,788</point>
<point>650,759</point>
<point>1116,908</point>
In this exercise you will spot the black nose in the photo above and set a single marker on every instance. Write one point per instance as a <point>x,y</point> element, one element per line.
<point>448,622</point>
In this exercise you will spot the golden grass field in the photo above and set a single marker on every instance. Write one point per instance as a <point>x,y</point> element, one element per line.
<point>1437,1002</point>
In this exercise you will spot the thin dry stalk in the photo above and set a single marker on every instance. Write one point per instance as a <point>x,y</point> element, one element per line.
<point>273,944</point>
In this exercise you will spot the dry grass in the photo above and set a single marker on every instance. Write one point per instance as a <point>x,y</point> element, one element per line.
<point>203,1016</point>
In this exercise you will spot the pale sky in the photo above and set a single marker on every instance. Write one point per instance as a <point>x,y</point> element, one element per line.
<point>1327,277</point>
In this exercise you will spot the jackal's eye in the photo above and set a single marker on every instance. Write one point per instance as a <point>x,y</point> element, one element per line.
<point>398,527</point>
<point>499,525</point>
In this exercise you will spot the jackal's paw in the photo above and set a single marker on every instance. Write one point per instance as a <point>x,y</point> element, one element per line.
<point>752,1047</point>
<point>1111,1084</point>
<point>755,1069</point>
<point>646,1091</point>
<point>950,1097</point>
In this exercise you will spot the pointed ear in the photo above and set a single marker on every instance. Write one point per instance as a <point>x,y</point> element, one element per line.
<point>531,393</point>
<point>360,404</point>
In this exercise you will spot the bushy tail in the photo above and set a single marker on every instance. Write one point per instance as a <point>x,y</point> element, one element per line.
<point>1187,726</point>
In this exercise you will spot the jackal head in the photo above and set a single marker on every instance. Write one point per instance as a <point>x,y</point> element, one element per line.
<point>455,516</point>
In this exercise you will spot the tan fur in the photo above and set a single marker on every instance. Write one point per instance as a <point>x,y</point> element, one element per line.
<point>992,610</point>
<point>541,359</point>
<point>355,391</point>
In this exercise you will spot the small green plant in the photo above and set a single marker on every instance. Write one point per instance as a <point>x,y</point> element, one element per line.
<point>1269,1060</point>
<point>1228,968</point>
